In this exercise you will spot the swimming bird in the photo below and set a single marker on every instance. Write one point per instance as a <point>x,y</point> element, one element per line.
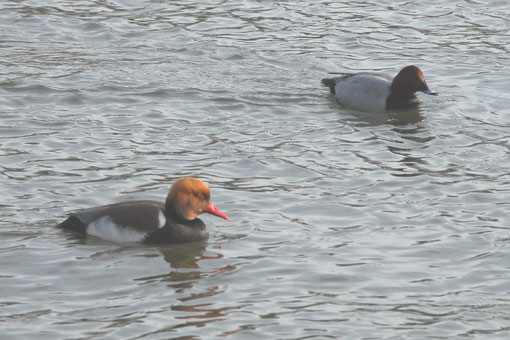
<point>174,221</point>
<point>370,91</point>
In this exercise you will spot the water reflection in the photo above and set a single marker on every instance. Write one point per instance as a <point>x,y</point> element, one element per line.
<point>193,303</point>
<point>184,261</point>
<point>396,117</point>
<point>405,117</point>
<point>184,255</point>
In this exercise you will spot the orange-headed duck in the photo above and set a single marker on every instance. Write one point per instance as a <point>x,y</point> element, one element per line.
<point>174,221</point>
<point>369,91</point>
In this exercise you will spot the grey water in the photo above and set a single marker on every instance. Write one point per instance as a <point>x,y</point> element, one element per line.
<point>343,224</point>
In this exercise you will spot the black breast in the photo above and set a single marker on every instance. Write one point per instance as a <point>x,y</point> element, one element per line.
<point>179,231</point>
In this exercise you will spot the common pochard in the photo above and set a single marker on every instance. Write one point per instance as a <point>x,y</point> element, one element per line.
<point>369,91</point>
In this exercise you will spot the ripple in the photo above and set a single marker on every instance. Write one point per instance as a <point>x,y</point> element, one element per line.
<point>337,217</point>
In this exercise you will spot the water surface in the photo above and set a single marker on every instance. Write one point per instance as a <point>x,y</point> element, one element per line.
<point>343,224</point>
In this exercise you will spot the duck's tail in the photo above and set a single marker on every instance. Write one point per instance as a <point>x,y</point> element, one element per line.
<point>331,83</point>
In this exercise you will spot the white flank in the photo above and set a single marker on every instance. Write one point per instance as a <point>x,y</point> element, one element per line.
<point>107,230</point>
<point>162,219</point>
<point>364,92</point>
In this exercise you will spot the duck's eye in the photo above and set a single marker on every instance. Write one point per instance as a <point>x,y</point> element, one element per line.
<point>204,197</point>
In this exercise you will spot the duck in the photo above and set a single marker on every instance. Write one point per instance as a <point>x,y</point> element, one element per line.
<point>368,91</point>
<point>173,221</point>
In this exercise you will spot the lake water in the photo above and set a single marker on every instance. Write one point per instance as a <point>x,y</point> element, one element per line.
<point>344,225</point>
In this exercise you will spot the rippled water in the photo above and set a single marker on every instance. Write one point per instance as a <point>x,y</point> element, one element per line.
<point>343,224</point>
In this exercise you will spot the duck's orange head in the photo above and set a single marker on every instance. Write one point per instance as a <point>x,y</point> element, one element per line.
<point>190,197</point>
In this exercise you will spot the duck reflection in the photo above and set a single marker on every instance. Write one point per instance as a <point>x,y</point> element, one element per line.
<point>405,117</point>
<point>404,134</point>
<point>396,117</point>
<point>183,255</point>
<point>195,307</point>
<point>187,256</point>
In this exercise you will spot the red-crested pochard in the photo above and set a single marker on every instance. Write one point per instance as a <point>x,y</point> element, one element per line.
<point>174,221</point>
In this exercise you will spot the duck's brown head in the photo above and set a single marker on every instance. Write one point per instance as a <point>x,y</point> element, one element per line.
<point>410,80</point>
